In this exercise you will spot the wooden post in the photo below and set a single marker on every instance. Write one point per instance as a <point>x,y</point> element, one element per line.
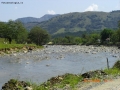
<point>107,63</point>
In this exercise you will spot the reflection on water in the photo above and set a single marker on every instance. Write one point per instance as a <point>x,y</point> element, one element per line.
<point>41,65</point>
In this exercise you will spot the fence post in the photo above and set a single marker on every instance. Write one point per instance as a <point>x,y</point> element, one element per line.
<point>107,63</point>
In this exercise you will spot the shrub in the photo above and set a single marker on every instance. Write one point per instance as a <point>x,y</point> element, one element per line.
<point>117,65</point>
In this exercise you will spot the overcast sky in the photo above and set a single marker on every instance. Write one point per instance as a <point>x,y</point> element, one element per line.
<point>38,8</point>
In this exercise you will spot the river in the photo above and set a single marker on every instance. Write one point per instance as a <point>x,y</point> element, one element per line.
<point>40,65</point>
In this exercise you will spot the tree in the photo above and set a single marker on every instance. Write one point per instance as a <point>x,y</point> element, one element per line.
<point>93,39</point>
<point>70,39</point>
<point>2,29</point>
<point>39,36</point>
<point>105,34</point>
<point>64,41</point>
<point>10,31</point>
<point>21,33</point>
<point>115,37</point>
<point>77,40</point>
<point>56,40</point>
<point>15,30</point>
<point>118,34</point>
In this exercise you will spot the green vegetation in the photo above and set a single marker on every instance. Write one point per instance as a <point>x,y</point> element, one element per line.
<point>72,80</point>
<point>5,45</point>
<point>88,39</point>
<point>67,80</point>
<point>117,65</point>
<point>14,35</point>
<point>19,46</point>
<point>39,36</point>
<point>76,21</point>
<point>112,71</point>
<point>87,28</point>
<point>13,30</point>
<point>36,20</point>
<point>62,81</point>
<point>104,37</point>
<point>62,30</point>
<point>57,82</point>
<point>16,85</point>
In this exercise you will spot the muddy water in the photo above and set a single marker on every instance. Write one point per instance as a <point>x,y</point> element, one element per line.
<point>41,65</point>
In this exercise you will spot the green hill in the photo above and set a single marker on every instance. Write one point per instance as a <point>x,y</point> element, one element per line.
<point>79,21</point>
<point>33,19</point>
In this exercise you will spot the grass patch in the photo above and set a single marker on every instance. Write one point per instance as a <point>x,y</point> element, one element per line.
<point>2,41</point>
<point>3,46</point>
<point>115,70</point>
<point>62,30</point>
<point>69,80</point>
<point>112,71</point>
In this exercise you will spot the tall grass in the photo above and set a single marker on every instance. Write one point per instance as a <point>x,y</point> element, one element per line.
<point>112,71</point>
<point>68,79</point>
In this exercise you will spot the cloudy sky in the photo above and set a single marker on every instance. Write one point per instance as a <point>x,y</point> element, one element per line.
<point>13,9</point>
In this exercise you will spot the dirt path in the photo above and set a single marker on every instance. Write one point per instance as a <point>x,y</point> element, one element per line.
<point>109,85</point>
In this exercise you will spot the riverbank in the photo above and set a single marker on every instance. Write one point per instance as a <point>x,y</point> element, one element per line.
<point>15,48</point>
<point>92,80</point>
<point>95,80</point>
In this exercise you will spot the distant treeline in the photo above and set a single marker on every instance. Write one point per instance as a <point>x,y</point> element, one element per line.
<point>14,30</point>
<point>103,37</point>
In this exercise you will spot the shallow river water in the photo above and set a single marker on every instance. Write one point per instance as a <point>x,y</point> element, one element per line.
<point>40,65</point>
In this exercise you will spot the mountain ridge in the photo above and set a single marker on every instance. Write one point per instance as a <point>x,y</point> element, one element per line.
<point>78,21</point>
<point>34,19</point>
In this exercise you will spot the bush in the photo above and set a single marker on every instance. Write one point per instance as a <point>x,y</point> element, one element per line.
<point>117,65</point>
<point>118,43</point>
<point>110,43</point>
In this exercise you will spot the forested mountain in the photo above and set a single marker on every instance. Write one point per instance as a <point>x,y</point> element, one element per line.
<point>79,21</point>
<point>33,19</point>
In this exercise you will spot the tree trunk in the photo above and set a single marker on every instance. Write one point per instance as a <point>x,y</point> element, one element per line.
<point>10,40</point>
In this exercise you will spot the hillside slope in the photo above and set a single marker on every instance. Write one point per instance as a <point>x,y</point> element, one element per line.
<point>74,22</point>
<point>33,19</point>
